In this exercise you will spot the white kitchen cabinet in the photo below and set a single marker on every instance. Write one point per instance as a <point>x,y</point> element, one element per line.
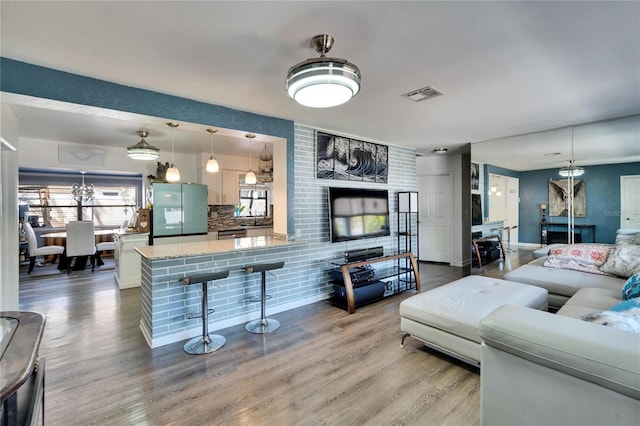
<point>127,260</point>
<point>231,187</point>
<point>214,185</point>
<point>222,187</point>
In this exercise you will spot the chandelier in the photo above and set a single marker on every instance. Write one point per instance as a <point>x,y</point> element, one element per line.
<point>142,150</point>
<point>83,193</point>
<point>323,82</point>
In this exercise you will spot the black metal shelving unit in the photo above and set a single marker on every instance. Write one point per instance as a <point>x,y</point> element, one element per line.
<point>408,237</point>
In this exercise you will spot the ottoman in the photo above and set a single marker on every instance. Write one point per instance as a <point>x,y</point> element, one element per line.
<point>447,318</point>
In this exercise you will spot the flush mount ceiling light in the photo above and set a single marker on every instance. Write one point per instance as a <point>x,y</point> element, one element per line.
<point>250,177</point>
<point>323,82</point>
<point>440,151</point>
<point>172,174</point>
<point>142,150</point>
<point>571,171</point>
<point>212,164</point>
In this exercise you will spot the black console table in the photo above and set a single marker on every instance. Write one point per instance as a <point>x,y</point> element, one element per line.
<point>557,233</point>
<point>348,268</point>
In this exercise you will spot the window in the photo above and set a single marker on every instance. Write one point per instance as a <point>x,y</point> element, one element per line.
<point>254,201</point>
<point>45,198</point>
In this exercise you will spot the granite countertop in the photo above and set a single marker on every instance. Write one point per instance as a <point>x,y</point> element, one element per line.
<point>200,248</point>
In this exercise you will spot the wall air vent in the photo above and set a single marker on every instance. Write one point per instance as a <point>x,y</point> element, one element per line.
<point>423,94</point>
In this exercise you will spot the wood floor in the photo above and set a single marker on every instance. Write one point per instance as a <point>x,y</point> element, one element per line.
<point>322,367</point>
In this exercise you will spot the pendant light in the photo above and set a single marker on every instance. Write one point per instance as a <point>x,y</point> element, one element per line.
<point>323,82</point>
<point>172,174</point>
<point>212,164</point>
<point>250,177</point>
<point>142,150</point>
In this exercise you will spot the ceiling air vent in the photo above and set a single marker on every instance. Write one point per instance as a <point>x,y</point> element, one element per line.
<point>423,94</point>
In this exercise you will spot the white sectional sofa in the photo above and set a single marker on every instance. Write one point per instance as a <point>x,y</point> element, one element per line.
<point>540,368</point>
<point>537,367</point>
<point>561,284</point>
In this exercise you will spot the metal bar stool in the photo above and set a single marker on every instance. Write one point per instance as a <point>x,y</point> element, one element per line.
<point>263,325</point>
<point>207,342</point>
<point>509,237</point>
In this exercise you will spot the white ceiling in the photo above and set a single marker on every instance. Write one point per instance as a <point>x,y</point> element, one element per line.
<point>506,68</point>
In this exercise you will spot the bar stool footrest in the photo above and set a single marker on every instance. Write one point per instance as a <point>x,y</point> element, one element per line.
<point>253,299</point>
<point>198,314</point>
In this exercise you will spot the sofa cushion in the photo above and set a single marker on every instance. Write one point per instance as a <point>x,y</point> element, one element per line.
<point>627,234</point>
<point>579,257</point>
<point>624,259</point>
<point>588,300</point>
<point>631,288</point>
<point>601,355</point>
<point>562,281</point>
<point>628,320</point>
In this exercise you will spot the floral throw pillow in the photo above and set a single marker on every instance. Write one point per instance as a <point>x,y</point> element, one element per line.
<point>631,288</point>
<point>624,260</point>
<point>579,257</point>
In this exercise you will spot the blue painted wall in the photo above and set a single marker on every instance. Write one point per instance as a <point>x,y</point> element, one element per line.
<point>602,196</point>
<point>32,80</point>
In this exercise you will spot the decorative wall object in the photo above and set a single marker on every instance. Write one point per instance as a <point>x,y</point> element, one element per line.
<point>475,176</point>
<point>73,154</point>
<point>559,198</point>
<point>343,158</point>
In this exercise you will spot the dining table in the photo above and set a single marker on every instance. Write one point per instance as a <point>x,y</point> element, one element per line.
<point>59,238</point>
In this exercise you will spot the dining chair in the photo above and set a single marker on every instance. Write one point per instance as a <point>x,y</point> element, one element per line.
<point>34,250</point>
<point>81,241</point>
<point>103,246</point>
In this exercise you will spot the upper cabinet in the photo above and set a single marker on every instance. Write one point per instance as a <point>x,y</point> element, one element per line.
<point>231,187</point>
<point>223,187</point>
<point>214,185</point>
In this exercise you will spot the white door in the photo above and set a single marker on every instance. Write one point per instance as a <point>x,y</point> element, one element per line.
<point>630,202</point>
<point>513,205</point>
<point>435,206</point>
<point>504,203</point>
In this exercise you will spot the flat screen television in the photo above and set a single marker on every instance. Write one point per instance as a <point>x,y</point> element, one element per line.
<point>356,213</point>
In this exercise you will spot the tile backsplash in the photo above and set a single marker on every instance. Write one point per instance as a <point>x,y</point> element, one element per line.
<point>221,216</point>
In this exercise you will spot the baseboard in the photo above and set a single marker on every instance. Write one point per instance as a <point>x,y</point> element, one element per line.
<point>532,246</point>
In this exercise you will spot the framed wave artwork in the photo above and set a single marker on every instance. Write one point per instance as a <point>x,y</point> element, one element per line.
<point>342,158</point>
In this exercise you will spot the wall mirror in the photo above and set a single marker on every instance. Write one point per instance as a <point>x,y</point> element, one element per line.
<point>606,150</point>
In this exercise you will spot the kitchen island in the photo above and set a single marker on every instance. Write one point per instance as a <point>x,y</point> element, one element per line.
<point>167,302</point>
